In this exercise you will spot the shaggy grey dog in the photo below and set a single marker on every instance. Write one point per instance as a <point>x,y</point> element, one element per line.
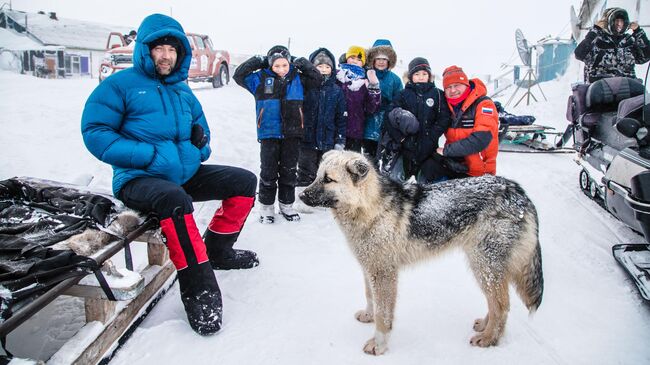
<point>389,225</point>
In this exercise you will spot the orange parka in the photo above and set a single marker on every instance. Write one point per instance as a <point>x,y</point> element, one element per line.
<point>470,131</point>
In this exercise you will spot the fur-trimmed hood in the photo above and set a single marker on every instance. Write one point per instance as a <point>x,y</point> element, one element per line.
<point>382,49</point>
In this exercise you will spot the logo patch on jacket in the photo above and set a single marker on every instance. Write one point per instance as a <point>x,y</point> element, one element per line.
<point>429,102</point>
<point>488,111</point>
<point>268,85</point>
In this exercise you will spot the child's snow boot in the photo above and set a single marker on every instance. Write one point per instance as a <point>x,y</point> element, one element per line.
<point>289,212</point>
<point>267,213</point>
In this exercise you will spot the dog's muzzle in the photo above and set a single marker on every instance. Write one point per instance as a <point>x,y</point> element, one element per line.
<point>315,196</point>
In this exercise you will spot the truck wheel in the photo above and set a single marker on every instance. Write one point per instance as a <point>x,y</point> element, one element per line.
<point>584,181</point>
<point>221,78</point>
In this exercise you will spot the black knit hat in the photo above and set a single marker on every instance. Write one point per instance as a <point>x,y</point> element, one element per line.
<point>419,64</point>
<point>168,40</point>
<point>277,52</point>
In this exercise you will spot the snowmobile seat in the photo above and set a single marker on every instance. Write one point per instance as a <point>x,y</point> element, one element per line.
<point>605,95</point>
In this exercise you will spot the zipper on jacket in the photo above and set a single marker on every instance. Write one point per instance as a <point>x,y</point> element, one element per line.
<point>259,119</point>
<point>302,118</point>
<point>180,100</point>
<point>162,100</point>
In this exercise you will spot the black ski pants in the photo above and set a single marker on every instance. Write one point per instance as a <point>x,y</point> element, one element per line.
<point>308,165</point>
<point>211,182</point>
<point>278,165</point>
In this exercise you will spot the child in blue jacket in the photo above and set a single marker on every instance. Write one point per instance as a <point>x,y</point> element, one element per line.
<point>278,84</point>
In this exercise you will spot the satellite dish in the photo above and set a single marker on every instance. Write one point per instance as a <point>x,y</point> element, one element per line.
<point>575,24</point>
<point>522,47</point>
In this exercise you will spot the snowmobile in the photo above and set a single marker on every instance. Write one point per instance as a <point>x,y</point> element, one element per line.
<point>612,118</point>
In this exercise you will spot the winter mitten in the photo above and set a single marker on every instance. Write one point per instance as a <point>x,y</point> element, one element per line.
<point>199,139</point>
<point>267,214</point>
<point>301,63</point>
<point>289,213</point>
<point>223,256</point>
<point>339,146</point>
<point>373,81</point>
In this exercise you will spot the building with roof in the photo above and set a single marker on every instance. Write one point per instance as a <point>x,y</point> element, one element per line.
<point>79,45</point>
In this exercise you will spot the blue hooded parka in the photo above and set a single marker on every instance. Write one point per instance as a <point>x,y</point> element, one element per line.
<point>140,122</point>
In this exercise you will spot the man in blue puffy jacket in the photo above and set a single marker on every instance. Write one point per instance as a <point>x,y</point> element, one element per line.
<point>146,122</point>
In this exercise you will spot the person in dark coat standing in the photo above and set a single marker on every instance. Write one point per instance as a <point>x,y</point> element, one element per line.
<point>146,122</point>
<point>416,120</point>
<point>278,84</point>
<point>609,51</point>
<point>362,95</point>
<point>325,118</point>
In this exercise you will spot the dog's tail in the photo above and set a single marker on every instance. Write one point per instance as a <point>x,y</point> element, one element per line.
<point>530,285</point>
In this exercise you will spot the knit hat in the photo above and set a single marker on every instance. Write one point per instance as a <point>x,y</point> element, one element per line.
<point>168,40</point>
<point>419,64</point>
<point>356,51</point>
<point>323,58</point>
<point>453,75</point>
<point>277,52</point>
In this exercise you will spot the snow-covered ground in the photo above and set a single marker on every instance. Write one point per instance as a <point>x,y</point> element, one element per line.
<point>297,307</point>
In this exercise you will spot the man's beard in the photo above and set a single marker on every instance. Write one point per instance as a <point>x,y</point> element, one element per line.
<point>164,69</point>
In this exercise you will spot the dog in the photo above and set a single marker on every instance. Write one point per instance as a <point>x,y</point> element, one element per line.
<point>389,225</point>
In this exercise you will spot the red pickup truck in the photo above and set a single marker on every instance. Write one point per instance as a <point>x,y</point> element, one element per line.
<point>208,64</point>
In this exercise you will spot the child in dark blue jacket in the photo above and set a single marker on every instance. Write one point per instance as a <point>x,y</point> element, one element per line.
<point>325,118</point>
<point>278,84</point>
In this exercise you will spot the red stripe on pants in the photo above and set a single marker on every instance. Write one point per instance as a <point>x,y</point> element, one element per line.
<point>232,214</point>
<point>176,253</point>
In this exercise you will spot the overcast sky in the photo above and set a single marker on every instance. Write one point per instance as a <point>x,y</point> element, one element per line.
<point>477,35</point>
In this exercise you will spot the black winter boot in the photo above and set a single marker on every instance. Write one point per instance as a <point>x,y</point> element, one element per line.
<point>223,257</point>
<point>200,292</point>
<point>201,298</point>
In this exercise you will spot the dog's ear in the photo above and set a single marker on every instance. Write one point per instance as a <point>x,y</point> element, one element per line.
<point>358,170</point>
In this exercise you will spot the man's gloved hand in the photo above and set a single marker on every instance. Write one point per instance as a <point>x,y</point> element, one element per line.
<point>339,146</point>
<point>199,139</point>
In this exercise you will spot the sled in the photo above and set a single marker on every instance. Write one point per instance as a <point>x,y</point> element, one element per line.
<point>531,138</point>
<point>136,293</point>
<point>635,260</point>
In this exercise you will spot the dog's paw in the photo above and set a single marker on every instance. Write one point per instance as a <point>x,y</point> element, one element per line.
<point>364,316</point>
<point>483,340</point>
<point>373,348</point>
<point>479,325</point>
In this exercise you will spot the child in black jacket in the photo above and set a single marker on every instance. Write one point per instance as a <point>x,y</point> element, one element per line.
<point>416,120</point>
